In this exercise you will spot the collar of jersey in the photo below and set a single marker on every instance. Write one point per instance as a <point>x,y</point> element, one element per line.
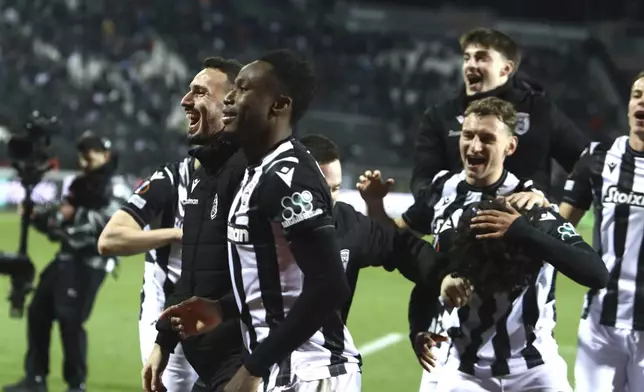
<point>488,189</point>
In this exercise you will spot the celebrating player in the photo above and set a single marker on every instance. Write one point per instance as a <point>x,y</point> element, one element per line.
<point>502,335</point>
<point>610,354</point>
<point>159,206</point>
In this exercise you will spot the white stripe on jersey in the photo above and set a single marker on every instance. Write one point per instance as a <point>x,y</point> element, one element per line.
<point>312,360</point>
<point>618,198</point>
<point>158,272</point>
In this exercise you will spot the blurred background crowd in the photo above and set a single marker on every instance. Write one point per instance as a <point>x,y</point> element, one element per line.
<point>121,67</point>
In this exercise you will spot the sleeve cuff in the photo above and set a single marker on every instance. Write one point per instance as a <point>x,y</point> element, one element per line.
<point>134,215</point>
<point>254,365</point>
<point>167,339</point>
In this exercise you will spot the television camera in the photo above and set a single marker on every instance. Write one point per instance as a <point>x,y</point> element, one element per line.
<point>30,155</point>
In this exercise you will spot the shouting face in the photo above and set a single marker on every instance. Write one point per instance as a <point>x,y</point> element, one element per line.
<point>204,105</point>
<point>484,69</point>
<point>484,143</point>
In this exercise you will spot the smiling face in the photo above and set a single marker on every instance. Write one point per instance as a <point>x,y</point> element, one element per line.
<point>484,143</point>
<point>636,109</point>
<point>484,69</point>
<point>203,105</point>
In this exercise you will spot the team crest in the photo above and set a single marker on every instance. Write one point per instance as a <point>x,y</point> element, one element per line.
<point>523,123</point>
<point>344,255</point>
<point>213,211</point>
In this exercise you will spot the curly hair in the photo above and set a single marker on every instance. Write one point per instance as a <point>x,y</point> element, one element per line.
<point>297,76</point>
<point>492,265</point>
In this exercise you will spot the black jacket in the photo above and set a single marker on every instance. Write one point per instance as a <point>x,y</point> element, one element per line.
<point>543,131</point>
<point>365,242</point>
<point>204,270</point>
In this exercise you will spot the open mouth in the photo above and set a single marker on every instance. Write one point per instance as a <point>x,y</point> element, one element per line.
<point>193,119</point>
<point>474,79</point>
<point>475,161</point>
<point>639,115</point>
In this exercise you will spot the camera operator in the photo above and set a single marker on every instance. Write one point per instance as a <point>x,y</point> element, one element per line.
<point>69,284</point>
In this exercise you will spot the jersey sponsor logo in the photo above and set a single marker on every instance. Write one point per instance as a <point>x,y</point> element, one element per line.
<point>453,133</point>
<point>215,204</point>
<point>190,201</point>
<point>570,184</point>
<point>138,201</point>
<point>615,196</point>
<point>297,208</point>
<point>611,166</point>
<point>194,184</point>
<point>567,230</point>
<point>238,235</point>
<point>523,123</point>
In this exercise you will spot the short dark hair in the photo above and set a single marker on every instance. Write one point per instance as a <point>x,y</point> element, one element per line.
<point>91,141</point>
<point>297,77</point>
<point>230,67</point>
<point>493,106</point>
<point>492,265</point>
<point>493,39</point>
<point>322,148</point>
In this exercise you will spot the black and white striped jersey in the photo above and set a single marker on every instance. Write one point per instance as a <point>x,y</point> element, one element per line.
<point>450,192</point>
<point>282,198</point>
<point>610,176</point>
<point>158,203</point>
<point>508,332</point>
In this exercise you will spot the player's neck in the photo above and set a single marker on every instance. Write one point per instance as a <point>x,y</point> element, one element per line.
<point>636,143</point>
<point>485,182</point>
<point>256,150</point>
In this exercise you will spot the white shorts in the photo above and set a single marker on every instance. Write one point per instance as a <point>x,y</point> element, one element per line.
<point>178,375</point>
<point>429,381</point>
<point>550,377</point>
<point>350,382</point>
<point>608,358</point>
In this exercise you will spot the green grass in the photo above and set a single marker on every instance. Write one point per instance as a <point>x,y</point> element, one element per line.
<point>380,308</point>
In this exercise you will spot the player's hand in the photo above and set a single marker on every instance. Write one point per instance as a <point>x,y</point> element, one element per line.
<point>455,292</point>
<point>153,370</point>
<point>527,200</point>
<point>243,381</point>
<point>371,186</point>
<point>495,223</point>
<point>193,316</point>
<point>68,211</point>
<point>423,343</point>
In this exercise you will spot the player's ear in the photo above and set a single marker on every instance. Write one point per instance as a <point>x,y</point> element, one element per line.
<point>512,146</point>
<point>508,68</point>
<point>281,104</point>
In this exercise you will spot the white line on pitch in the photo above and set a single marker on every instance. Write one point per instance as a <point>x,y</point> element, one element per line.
<point>380,344</point>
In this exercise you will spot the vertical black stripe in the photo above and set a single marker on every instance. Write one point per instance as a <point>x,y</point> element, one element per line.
<point>621,215</point>
<point>333,332</point>
<point>501,339</point>
<point>244,314</point>
<point>597,183</point>
<point>142,296</point>
<point>486,321</point>
<point>530,317</point>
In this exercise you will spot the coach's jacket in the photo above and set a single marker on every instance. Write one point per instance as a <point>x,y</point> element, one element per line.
<point>204,269</point>
<point>543,131</point>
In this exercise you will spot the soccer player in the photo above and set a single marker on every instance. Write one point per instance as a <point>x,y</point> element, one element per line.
<point>487,137</point>
<point>610,175</point>
<point>285,262</point>
<point>152,222</point>
<point>491,60</point>
<point>502,335</point>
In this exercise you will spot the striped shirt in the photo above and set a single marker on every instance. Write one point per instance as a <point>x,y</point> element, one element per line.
<point>449,192</point>
<point>158,203</point>
<point>283,194</point>
<point>509,332</point>
<point>610,176</point>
